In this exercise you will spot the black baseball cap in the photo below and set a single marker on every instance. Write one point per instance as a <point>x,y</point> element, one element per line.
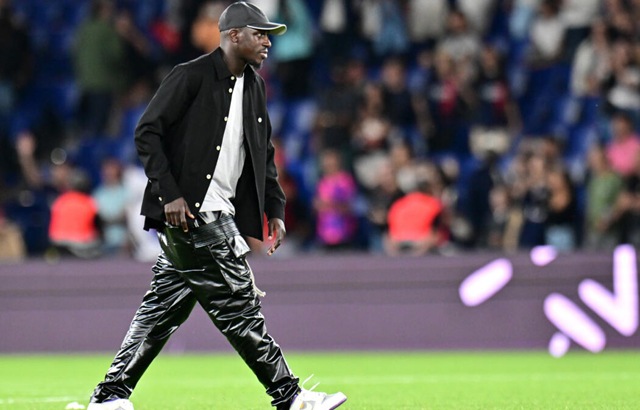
<point>243,14</point>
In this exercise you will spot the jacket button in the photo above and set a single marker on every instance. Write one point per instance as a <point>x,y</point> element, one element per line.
<point>232,78</point>
<point>218,148</point>
<point>259,119</point>
<point>225,119</point>
<point>160,198</point>
<point>230,90</point>
<point>208,176</point>
<point>197,204</point>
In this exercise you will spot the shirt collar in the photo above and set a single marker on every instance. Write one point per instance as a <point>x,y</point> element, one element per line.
<point>222,71</point>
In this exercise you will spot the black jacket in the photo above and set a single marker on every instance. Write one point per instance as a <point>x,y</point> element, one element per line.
<point>180,133</point>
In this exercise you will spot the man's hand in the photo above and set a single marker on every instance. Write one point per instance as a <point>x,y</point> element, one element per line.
<point>176,213</point>
<point>276,228</point>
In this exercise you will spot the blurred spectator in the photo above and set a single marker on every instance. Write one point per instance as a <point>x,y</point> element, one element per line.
<point>479,13</point>
<point>550,148</point>
<point>481,184</point>
<point>620,20</point>
<point>396,97</point>
<point>338,107</point>
<point>547,34</point>
<point>460,42</point>
<point>591,64</point>
<point>560,229</point>
<point>623,150</point>
<point>111,200</point>
<point>294,49</point>
<point>426,21</point>
<point>205,34</point>
<point>414,223</point>
<point>577,16</point>
<point>498,218</point>
<point>404,167</point>
<point>628,207</point>
<point>337,33</point>
<point>380,200</point>
<point>444,105</point>
<point>522,15</point>
<point>15,58</point>
<point>535,203</point>
<point>145,246</point>
<point>136,53</point>
<point>495,107</point>
<point>382,23</point>
<point>74,214</point>
<point>12,247</point>
<point>621,86</point>
<point>603,189</point>
<point>25,148</point>
<point>333,202</point>
<point>370,137</point>
<point>98,60</point>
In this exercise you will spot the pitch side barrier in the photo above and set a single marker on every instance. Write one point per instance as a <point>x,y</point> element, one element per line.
<point>536,300</point>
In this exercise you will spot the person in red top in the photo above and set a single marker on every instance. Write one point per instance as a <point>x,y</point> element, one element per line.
<point>73,225</point>
<point>413,223</point>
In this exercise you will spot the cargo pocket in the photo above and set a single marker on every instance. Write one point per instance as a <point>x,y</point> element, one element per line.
<point>229,254</point>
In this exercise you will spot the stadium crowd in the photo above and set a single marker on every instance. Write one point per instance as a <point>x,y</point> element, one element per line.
<point>401,126</point>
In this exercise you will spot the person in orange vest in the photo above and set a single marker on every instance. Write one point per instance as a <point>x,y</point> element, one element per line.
<point>74,227</point>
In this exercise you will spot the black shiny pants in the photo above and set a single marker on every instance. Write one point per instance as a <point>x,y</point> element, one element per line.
<point>219,279</point>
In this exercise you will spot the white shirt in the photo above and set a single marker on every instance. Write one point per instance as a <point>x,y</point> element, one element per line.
<point>222,188</point>
<point>579,13</point>
<point>547,35</point>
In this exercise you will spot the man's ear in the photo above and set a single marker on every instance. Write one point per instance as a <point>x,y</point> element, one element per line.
<point>233,35</point>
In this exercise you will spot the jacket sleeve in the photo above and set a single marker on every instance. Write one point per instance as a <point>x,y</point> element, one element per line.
<point>274,195</point>
<point>167,106</point>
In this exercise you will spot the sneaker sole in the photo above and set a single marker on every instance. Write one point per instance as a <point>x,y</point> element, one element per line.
<point>339,404</point>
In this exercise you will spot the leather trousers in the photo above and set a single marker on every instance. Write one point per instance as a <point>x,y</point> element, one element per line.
<point>217,276</point>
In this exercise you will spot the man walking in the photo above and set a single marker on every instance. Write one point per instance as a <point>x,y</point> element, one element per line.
<point>204,141</point>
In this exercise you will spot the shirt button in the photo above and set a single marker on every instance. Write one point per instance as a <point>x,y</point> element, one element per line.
<point>232,78</point>
<point>259,119</point>
<point>230,90</point>
<point>197,204</point>
<point>208,176</point>
<point>160,198</point>
<point>218,148</point>
<point>225,119</point>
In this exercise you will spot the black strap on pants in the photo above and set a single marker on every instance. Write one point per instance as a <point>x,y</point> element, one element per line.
<point>216,276</point>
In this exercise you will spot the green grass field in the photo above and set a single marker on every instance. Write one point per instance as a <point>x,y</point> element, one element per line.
<point>372,381</point>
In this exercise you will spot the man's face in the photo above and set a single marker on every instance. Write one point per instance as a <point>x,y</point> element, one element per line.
<point>253,46</point>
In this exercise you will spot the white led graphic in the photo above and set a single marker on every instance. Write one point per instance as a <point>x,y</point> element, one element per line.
<point>620,308</point>
<point>559,344</point>
<point>485,282</point>
<point>574,323</point>
<point>543,255</point>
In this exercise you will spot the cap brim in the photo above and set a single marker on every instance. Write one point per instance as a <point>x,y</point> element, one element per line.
<point>272,28</point>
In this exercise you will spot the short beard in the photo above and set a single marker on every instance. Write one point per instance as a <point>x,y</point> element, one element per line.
<point>255,65</point>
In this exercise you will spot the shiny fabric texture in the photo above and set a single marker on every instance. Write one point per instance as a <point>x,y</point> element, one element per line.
<point>218,277</point>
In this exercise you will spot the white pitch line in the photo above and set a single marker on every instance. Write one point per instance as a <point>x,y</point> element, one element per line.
<point>22,400</point>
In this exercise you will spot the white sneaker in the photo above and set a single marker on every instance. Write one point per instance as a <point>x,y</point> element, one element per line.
<point>117,404</point>
<point>311,400</point>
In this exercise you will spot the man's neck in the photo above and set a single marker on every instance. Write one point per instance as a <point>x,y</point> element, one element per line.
<point>235,65</point>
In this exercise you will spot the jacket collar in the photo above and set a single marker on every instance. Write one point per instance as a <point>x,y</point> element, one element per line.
<point>221,69</point>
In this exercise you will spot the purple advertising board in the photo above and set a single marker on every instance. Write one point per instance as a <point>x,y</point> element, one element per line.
<point>537,300</point>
